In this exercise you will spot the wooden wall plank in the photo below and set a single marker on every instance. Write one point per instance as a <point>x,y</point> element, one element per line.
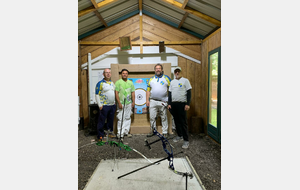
<point>138,67</point>
<point>182,65</point>
<point>198,89</point>
<point>173,31</point>
<point>180,48</point>
<point>113,36</point>
<point>114,72</point>
<point>214,41</point>
<point>191,76</point>
<point>108,31</point>
<point>103,49</point>
<point>161,33</point>
<point>197,99</point>
<point>204,85</point>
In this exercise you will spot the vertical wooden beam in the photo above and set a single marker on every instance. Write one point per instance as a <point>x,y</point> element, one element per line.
<point>141,32</point>
<point>204,64</point>
<point>114,77</point>
<point>100,17</point>
<point>183,19</point>
<point>79,80</point>
<point>184,3</point>
<point>84,94</point>
<point>141,48</point>
<point>140,5</point>
<point>196,99</point>
<point>190,75</point>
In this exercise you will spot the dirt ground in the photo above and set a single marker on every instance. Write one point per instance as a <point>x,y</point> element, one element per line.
<point>203,152</point>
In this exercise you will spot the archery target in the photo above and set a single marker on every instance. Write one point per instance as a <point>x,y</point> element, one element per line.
<point>140,97</point>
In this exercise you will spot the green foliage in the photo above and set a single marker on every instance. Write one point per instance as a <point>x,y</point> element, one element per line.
<point>214,63</point>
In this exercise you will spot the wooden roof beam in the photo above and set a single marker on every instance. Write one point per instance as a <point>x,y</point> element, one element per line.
<point>141,25</point>
<point>183,19</point>
<point>93,8</point>
<point>94,3</point>
<point>184,3</point>
<point>140,5</point>
<point>100,17</point>
<point>153,43</point>
<point>193,12</point>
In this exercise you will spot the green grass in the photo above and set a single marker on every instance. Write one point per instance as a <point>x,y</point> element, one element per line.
<point>213,117</point>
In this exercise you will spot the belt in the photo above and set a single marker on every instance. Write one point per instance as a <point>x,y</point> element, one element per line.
<point>157,100</point>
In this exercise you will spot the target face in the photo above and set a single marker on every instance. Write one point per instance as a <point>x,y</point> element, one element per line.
<point>140,97</point>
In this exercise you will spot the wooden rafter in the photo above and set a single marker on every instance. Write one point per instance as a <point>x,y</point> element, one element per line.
<point>184,3</point>
<point>141,25</point>
<point>92,8</point>
<point>193,12</point>
<point>153,43</point>
<point>140,5</point>
<point>94,3</point>
<point>100,17</point>
<point>86,11</point>
<point>183,19</point>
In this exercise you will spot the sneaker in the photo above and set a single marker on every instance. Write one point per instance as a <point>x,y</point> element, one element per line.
<point>129,135</point>
<point>118,136</point>
<point>150,134</point>
<point>122,138</point>
<point>112,135</point>
<point>101,139</point>
<point>174,132</point>
<point>176,139</point>
<point>165,135</point>
<point>185,144</point>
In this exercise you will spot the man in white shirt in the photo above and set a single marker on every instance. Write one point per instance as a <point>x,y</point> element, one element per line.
<point>157,91</point>
<point>179,103</point>
<point>105,97</point>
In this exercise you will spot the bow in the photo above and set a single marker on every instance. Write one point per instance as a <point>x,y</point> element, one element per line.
<point>170,157</point>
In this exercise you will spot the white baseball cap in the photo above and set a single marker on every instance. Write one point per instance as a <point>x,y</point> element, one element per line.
<point>177,68</point>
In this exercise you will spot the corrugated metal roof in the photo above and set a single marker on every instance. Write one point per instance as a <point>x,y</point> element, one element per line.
<point>83,4</point>
<point>208,7</point>
<point>112,12</point>
<point>163,11</point>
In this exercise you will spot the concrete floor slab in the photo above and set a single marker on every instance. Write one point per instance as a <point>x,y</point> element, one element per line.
<point>153,177</point>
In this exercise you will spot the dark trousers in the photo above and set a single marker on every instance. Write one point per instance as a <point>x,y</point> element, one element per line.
<point>107,112</point>
<point>180,119</point>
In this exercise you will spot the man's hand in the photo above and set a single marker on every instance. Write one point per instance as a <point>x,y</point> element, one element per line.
<point>147,103</point>
<point>186,108</point>
<point>132,105</point>
<point>120,106</point>
<point>169,107</point>
<point>101,108</point>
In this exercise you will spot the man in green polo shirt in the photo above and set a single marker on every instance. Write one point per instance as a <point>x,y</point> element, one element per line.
<point>124,90</point>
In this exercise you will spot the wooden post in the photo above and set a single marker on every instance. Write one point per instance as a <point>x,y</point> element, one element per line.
<point>79,80</point>
<point>84,95</point>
